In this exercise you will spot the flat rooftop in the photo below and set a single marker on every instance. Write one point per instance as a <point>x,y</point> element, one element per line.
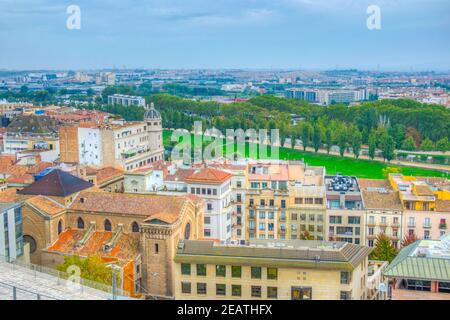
<point>289,253</point>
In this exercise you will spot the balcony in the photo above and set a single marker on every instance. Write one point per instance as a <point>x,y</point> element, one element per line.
<point>371,224</point>
<point>443,226</point>
<point>383,224</point>
<point>395,225</point>
<point>411,224</point>
<point>371,236</point>
<point>426,226</point>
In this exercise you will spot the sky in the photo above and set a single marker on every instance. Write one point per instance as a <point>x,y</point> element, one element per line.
<point>251,34</point>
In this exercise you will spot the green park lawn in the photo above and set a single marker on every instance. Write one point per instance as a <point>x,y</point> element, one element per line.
<point>334,164</point>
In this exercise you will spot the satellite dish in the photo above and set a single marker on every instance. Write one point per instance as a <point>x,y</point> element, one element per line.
<point>382,287</point>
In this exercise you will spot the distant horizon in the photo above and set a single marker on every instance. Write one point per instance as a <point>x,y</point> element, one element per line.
<point>274,69</point>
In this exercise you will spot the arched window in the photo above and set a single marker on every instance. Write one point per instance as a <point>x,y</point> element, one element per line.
<point>32,243</point>
<point>187,231</point>
<point>135,227</point>
<point>80,223</point>
<point>107,225</point>
<point>60,227</point>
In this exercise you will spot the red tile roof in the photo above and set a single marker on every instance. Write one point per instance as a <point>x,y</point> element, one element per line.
<point>209,175</point>
<point>165,208</point>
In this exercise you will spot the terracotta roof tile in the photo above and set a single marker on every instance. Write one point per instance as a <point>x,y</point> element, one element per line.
<point>180,175</point>
<point>209,175</point>
<point>380,200</point>
<point>46,205</point>
<point>108,173</point>
<point>373,183</point>
<point>131,204</point>
<point>443,205</point>
<point>8,195</point>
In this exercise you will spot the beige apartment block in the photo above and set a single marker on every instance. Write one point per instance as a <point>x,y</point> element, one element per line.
<point>345,218</point>
<point>278,192</point>
<point>384,214</point>
<point>284,270</point>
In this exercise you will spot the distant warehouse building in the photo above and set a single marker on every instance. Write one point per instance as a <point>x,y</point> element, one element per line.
<point>327,97</point>
<point>126,101</point>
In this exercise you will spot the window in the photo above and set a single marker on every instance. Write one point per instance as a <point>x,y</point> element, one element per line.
<point>294,216</point>
<point>272,292</point>
<point>354,220</point>
<point>187,231</point>
<point>336,219</point>
<point>107,225</point>
<point>262,226</point>
<point>207,232</point>
<point>201,288</point>
<point>221,289</point>
<point>80,223</point>
<point>135,227</point>
<point>60,226</point>
<point>209,206</point>
<point>298,200</point>
<point>418,285</point>
<point>185,287</point>
<point>256,272</point>
<point>272,273</point>
<point>283,204</point>
<point>186,269</point>
<point>411,221</point>
<point>221,271</point>
<point>207,220</point>
<point>201,269</point>
<point>346,295</point>
<point>318,201</point>
<point>236,271</point>
<point>156,248</point>
<point>427,222</point>
<point>345,277</point>
<point>271,203</point>
<point>256,291</point>
<point>444,287</point>
<point>236,290</point>
<point>301,293</point>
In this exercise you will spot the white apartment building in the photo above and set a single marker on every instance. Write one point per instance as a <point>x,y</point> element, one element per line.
<point>214,187</point>
<point>11,235</point>
<point>238,197</point>
<point>129,145</point>
<point>125,100</point>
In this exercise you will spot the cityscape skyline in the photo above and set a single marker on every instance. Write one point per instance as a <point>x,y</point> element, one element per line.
<point>286,34</point>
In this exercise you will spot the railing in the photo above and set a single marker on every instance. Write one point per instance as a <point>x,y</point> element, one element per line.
<point>10,292</point>
<point>61,277</point>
